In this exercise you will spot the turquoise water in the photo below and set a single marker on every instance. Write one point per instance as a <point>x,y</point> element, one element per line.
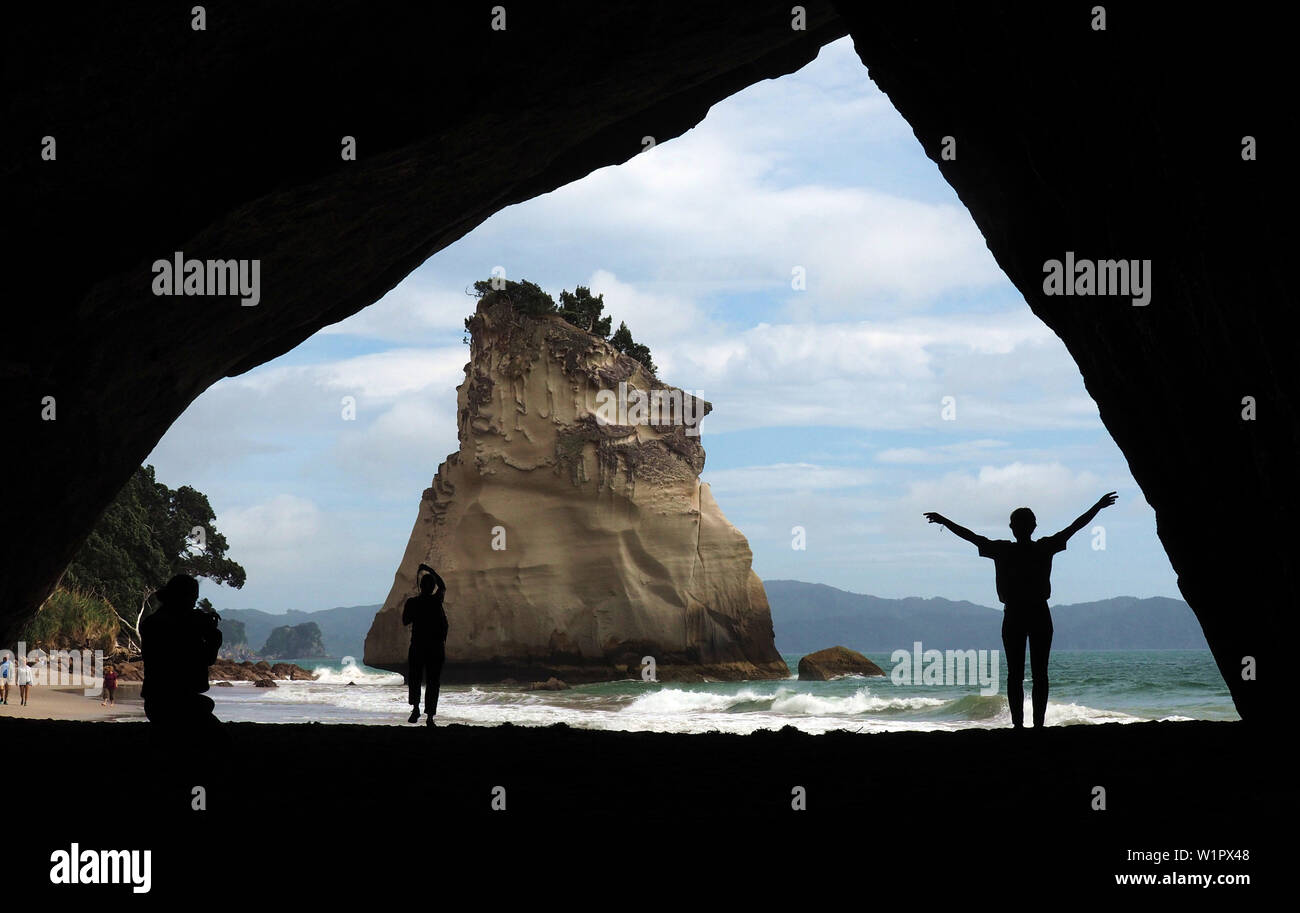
<point>1087,687</point>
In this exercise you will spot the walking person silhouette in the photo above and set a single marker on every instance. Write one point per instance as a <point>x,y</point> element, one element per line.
<point>428,621</point>
<point>1023,570</point>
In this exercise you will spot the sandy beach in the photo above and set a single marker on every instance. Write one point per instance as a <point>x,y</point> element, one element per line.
<point>46,703</point>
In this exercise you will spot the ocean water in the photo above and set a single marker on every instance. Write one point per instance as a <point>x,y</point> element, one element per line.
<point>1087,687</point>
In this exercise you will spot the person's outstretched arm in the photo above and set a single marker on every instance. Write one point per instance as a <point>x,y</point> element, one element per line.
<point>972,538</point>
<point>1085,518</point>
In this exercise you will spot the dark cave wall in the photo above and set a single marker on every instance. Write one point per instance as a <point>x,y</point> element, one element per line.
<point>1126,143</point>
<point>225,143</point>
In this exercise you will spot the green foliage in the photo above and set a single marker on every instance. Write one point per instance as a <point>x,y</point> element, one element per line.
<point>143,539</point>
<point>583,311</point>
<point>579,308</point>
<point>622,341</point>
<point>525,297</point>
<point>73,620</point>
<point>294,641</point>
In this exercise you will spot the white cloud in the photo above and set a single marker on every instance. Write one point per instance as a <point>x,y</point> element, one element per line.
<point>285,523</point>
<point>692,244</point>
<point>701,203</point>
<point>1004,371</point>
<point>1056,493</point>
<point>943,453</point>
<point>784,477</point>
<point>379,376</point>
<point>416,310</point>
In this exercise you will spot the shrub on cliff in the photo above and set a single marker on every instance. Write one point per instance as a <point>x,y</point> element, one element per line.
<point>623,342</point>
<point>73,620</point>
<point>579,308</point>
<point>525,297</point>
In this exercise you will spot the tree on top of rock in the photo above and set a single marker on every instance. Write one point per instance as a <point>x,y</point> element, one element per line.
<point>623,342</point>
<point>583,311</point>
<point>578,308</point>
<point>525,297</point>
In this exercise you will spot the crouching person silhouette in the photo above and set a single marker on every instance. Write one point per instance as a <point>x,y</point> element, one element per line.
<point>178,643</point>
<point>1023,570</point>
<point>428,652</point>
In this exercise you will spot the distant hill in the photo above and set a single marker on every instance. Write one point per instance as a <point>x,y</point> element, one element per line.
<point>342,630</point>
<point>813,616</point>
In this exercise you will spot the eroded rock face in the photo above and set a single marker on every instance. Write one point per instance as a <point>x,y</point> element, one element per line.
<point>573,548</point>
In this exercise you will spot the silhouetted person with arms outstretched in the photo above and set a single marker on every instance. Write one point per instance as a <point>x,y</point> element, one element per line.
<point>1024,571</point>
<point>428,621</point>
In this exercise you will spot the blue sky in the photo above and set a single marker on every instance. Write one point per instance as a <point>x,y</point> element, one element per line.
<point>827,401</point>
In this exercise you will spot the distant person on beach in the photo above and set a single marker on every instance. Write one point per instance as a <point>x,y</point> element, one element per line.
<point>110,687</point>
<point>6,672</point>
<point>24,681</point>
<point>1023,570</point>
<point>178,643</point>
<point>428,652</point>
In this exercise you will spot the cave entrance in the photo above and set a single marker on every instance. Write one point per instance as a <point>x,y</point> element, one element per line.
<point>798,261</point>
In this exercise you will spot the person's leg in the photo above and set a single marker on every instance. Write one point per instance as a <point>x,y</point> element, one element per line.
<point>1013,646</point>
<point>434,686</point>
<point>414,673</point>
<point>1040,649</point>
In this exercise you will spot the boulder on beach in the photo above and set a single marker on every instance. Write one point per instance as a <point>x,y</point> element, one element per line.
<point>132,671</point>
<point>226,670</point>
<point>265,683</point>
<point>832,662</point>
<point>551,684</point>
